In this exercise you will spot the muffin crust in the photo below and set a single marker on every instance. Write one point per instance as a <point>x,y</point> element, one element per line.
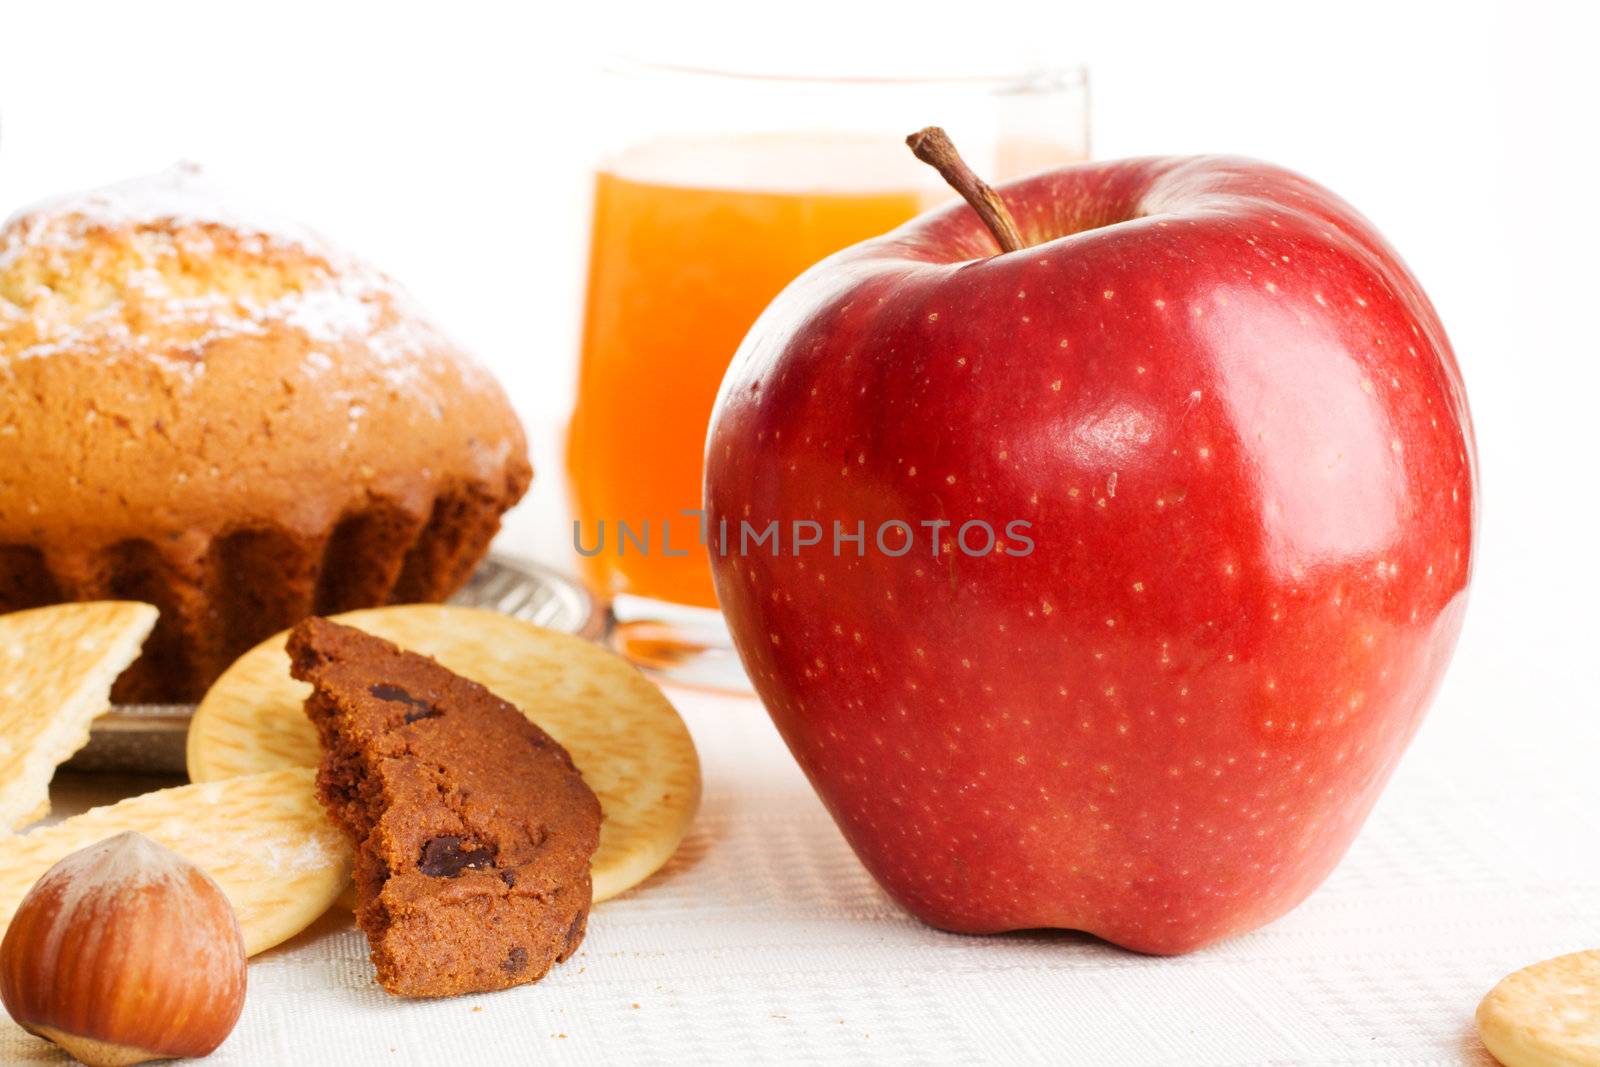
<point>223,415</point>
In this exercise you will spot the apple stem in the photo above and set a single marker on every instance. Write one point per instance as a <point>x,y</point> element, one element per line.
<point>934,147</point>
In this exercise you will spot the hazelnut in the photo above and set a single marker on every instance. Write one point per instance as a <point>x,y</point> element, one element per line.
<point>125,952</point>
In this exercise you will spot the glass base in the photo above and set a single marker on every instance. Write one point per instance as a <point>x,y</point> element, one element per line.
<point>683,645</point>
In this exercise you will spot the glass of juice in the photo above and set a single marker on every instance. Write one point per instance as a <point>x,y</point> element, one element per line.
<point>718,189</point>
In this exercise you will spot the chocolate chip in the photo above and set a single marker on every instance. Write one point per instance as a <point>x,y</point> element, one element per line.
<point>509,877</point>
<point>421,709</point>
<point>445,857</point>
<point>516,961</point>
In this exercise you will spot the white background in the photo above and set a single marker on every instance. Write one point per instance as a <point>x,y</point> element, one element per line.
<point>451,144</point>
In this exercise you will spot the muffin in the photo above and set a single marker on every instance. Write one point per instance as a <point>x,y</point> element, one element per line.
<point>222,415</point>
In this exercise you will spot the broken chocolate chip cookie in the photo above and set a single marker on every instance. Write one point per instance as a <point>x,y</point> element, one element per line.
<point>473,829</point>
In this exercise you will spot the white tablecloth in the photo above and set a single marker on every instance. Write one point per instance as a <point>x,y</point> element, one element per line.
<point>764,940</point>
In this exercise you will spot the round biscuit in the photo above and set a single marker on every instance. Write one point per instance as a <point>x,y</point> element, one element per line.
<point>264,839</point>
<point>1545,1015</point>
<point>623,734</point>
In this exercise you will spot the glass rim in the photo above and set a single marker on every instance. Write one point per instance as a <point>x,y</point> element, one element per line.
<point>1041,78</point>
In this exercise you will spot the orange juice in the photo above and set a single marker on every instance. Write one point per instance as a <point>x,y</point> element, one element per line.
<point>678,273</point>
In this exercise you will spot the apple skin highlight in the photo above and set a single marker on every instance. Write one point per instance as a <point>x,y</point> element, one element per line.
<point>1236,427</point>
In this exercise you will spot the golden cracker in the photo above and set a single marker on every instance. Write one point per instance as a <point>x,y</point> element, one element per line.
<point>56,668</point>
<point>1546,1015</point>
<point>626,738</point>
<point>264,839</point>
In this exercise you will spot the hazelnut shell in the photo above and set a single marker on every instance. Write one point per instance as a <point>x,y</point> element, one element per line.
<point>125,952</point>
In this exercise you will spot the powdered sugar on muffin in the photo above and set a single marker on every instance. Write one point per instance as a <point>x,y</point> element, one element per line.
<point>221,413</point>
<point>61,288</point>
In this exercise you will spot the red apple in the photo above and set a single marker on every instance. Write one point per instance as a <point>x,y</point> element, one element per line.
<point>1235,427</point>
